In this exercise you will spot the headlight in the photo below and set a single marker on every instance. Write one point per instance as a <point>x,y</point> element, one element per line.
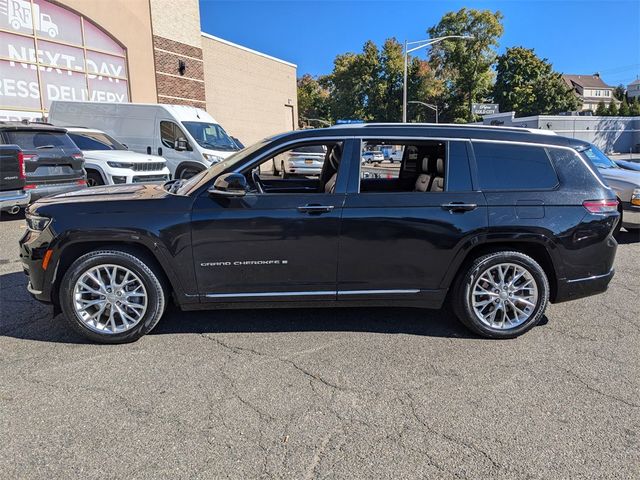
<point>635,197</point>
<point>37,224</point>
<point>120,164</point>
<point>212,158</point>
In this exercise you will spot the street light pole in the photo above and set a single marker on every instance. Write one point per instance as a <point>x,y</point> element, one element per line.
<point>420,44</point>
<point>428,105</point>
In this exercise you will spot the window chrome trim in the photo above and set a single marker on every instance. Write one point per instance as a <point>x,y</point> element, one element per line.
<point>587,279</point>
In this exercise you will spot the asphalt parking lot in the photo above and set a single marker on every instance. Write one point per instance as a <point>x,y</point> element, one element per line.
<point>301,394</point>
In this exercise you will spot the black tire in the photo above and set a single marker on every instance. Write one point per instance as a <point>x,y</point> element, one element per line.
<point>187,173</point>
<point>150,278</point>
<point>94,178</point>
<point>283,172</point>
<point>274,170</point>
<point>467,277</point>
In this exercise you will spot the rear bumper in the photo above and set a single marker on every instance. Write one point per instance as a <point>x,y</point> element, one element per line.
<point>14,198</point>
<point>45,190</point>
<point>583,287</point>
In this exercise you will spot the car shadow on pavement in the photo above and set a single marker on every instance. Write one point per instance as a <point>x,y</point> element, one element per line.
<point>22,317</point>
<point>625,236</point>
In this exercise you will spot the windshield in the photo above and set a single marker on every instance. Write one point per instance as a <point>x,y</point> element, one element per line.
<point>95,141</point>
<point>211,136</point>
<point>35,139</point>
<point>188,186</point>
<point>598,158</point>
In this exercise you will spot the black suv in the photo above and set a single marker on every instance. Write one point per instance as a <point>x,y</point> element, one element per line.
<point>52,162</point>
<point>497,221</point>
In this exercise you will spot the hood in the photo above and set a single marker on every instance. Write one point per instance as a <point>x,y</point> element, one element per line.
<point>628,165</point>
<point>106,193</point>
<point>621,174</point>
<point>121,156</point>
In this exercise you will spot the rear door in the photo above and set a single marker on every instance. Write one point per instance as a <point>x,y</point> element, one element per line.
<point>398,243</point>
<point>50,156</point>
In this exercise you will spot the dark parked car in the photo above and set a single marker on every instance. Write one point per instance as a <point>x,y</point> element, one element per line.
<point>496,221</point>
<point>13,197</point>
<point>53,163</point>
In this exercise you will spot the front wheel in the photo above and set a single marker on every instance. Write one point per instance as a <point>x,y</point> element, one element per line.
<point>187,173</point>
<point>501,294</point>
<point>111,296</point>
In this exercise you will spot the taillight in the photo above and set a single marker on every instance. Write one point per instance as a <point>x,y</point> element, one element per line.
<point>23,173</point>
<point>81,182</point>
<point>30,157</point>
<point>78,156</point>
<point>600,206</point>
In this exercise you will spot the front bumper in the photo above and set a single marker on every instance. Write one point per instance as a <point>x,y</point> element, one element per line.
<point>33,246</point>
<point>302,170</point>
<point>14,198</point>
<point>572,289</point>
<point>630,215</point>
<point>45,190</point>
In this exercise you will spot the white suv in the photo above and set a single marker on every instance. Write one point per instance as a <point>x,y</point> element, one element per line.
<point>108,162</point>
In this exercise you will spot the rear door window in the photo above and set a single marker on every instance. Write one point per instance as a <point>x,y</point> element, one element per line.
<point>513,167</point>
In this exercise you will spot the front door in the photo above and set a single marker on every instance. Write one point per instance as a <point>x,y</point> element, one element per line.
<point>403,224</point>
<point>278,244</point>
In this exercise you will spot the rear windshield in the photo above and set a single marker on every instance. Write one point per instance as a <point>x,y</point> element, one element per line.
<point>598,158</point>
<point>310,149</point>
<point>36,140</point>
<point>95,141</point>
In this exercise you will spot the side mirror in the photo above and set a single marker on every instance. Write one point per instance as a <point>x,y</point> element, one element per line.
<point>180,145</point>
<point>125,146</point>
<point>229,185</point>
<point>238,143</point>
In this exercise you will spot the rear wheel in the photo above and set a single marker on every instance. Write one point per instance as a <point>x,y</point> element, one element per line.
<point>283,173</point>
<point>501,294</point>
<point>111,296</point>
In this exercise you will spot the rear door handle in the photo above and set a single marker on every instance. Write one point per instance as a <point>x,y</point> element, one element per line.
<point>315,208</point>
<point>459,206</point>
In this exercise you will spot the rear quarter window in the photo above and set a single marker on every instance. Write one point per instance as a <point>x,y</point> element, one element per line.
<point>513,167</point>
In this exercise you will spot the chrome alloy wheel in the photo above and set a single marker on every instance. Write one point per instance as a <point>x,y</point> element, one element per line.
<point>504,296</point>
<point>110,299</point>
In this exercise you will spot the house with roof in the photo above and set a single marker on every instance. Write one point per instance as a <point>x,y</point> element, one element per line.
<point>591,90</point>
<point>633,90</point>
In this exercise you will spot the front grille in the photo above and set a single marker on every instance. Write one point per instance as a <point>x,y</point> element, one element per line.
<point>148,167</point>
<point>150,178</point>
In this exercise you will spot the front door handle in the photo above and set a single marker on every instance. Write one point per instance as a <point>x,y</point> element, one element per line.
<point>315,208</point>
<point>459,206</point>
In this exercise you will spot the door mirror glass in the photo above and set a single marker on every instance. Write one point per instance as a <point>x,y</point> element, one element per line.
<point>180,145</point>
<point>230,185</point>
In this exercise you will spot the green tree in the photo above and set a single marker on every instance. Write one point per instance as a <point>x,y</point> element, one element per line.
<point>528,85</point>
<point>612,111</point>
<point>634,108</point>
<point>465,65</point>
<point>624,110</point>
<point>601,109</point>
<point>619,92</point>
<point>313,99</point>
<point>354,83</point>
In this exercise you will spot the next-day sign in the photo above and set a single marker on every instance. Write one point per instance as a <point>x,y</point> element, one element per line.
<point>66,63</point>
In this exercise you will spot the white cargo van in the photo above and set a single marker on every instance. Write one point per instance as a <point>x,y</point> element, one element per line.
<point>187,137</point>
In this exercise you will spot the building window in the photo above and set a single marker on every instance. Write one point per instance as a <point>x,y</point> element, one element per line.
<point>48,53</point>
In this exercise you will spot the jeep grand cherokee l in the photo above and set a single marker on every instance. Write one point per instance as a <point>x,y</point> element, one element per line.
<point>52,162</point>
<point>496,221</point>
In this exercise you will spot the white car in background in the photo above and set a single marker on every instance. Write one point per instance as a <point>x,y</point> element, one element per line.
<point>108,162</point>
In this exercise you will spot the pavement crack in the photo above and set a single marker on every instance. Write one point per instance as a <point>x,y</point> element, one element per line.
<point>593,389</point>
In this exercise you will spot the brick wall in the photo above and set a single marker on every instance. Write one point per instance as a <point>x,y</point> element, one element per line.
<point>187,89</point>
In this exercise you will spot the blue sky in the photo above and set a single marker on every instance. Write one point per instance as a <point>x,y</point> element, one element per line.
<point>576,36</point>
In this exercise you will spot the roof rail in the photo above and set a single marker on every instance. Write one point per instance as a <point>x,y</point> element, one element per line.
<point>448,125</point>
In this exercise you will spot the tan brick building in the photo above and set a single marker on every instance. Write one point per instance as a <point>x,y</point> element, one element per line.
<point>143,51</point>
